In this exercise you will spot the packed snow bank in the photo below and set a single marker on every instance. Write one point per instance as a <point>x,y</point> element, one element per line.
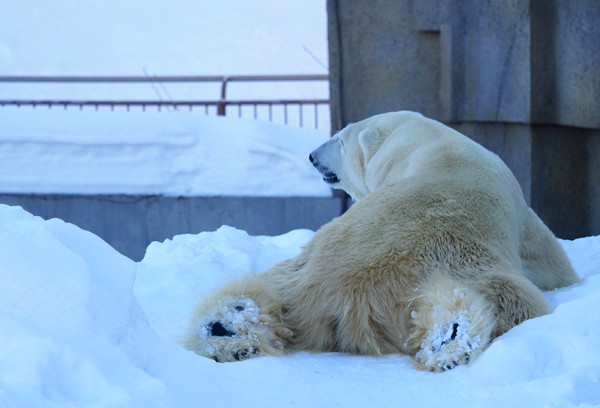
<point>191,37</point>
<point>170,153</point>
<point>71,328</point>
<point>80,326</point>
<point>188,267</point>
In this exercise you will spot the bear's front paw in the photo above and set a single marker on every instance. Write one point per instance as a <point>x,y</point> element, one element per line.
<point>449,346</point>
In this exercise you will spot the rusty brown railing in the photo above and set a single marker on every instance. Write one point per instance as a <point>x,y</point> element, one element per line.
<point>220,104</point>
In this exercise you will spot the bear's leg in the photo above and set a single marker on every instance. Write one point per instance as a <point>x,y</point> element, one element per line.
<point>238,322</point>
<point>545,262</point>
<point>514,299</point>
<point>451,324</point>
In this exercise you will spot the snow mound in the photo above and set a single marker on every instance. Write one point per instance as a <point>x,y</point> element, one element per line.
<point>175,274</point>
<point>136,37</point>
<point>81,325</point>
<point>173,154</point>
<point>71,328</point>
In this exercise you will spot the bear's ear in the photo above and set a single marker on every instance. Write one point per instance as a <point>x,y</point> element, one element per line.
<point>369,141</point>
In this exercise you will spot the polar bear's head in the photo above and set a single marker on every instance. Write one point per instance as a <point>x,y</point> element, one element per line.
<point>350,160</point>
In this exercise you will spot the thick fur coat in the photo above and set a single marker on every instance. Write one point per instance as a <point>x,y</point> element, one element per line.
<point>439,255</point>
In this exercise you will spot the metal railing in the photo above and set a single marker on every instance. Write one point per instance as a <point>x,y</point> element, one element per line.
<point>220,104</point>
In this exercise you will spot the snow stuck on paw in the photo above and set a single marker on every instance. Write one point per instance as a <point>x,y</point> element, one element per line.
<point>448,346</point>
<point>229,334</point>
<point>235,316</point>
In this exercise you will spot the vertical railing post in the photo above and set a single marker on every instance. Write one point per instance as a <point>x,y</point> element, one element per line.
<point>221,105</point>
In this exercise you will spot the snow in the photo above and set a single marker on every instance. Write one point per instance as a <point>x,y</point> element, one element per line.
<point>173,154</point>
<point>187,37</point>
<point>436,351</point>
<point>82,325</point>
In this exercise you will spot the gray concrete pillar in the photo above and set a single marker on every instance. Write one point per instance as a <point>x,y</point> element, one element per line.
<point>521,77</point>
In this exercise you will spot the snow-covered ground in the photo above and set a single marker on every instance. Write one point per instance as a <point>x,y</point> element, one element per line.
<point>175,154</point>
<point>81,325</point>
<point>189,37</point>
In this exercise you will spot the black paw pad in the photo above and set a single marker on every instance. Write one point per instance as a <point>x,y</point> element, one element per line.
<point>454,331</point>
<point>241,354</point>
<point>452,336</point>
<point>217,329</point>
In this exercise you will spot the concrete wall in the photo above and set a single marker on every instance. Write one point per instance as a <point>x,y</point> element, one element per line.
<point>130,223</point>
<point>521,77</point>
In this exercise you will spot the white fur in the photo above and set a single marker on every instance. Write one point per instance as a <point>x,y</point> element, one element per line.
<point>439,255</point>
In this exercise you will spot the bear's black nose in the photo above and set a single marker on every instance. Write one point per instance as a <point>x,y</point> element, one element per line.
<point>311,158</point>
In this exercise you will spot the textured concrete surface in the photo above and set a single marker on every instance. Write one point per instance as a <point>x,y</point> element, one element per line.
<point>565,62</point>
<point>130,223</point>
<point>370,46</point>
<point>521,77</point>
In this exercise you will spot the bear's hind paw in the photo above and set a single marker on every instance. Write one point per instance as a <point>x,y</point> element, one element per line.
<point>448,347</point>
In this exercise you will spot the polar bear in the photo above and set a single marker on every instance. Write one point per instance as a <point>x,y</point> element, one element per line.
<point>439,254</point>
